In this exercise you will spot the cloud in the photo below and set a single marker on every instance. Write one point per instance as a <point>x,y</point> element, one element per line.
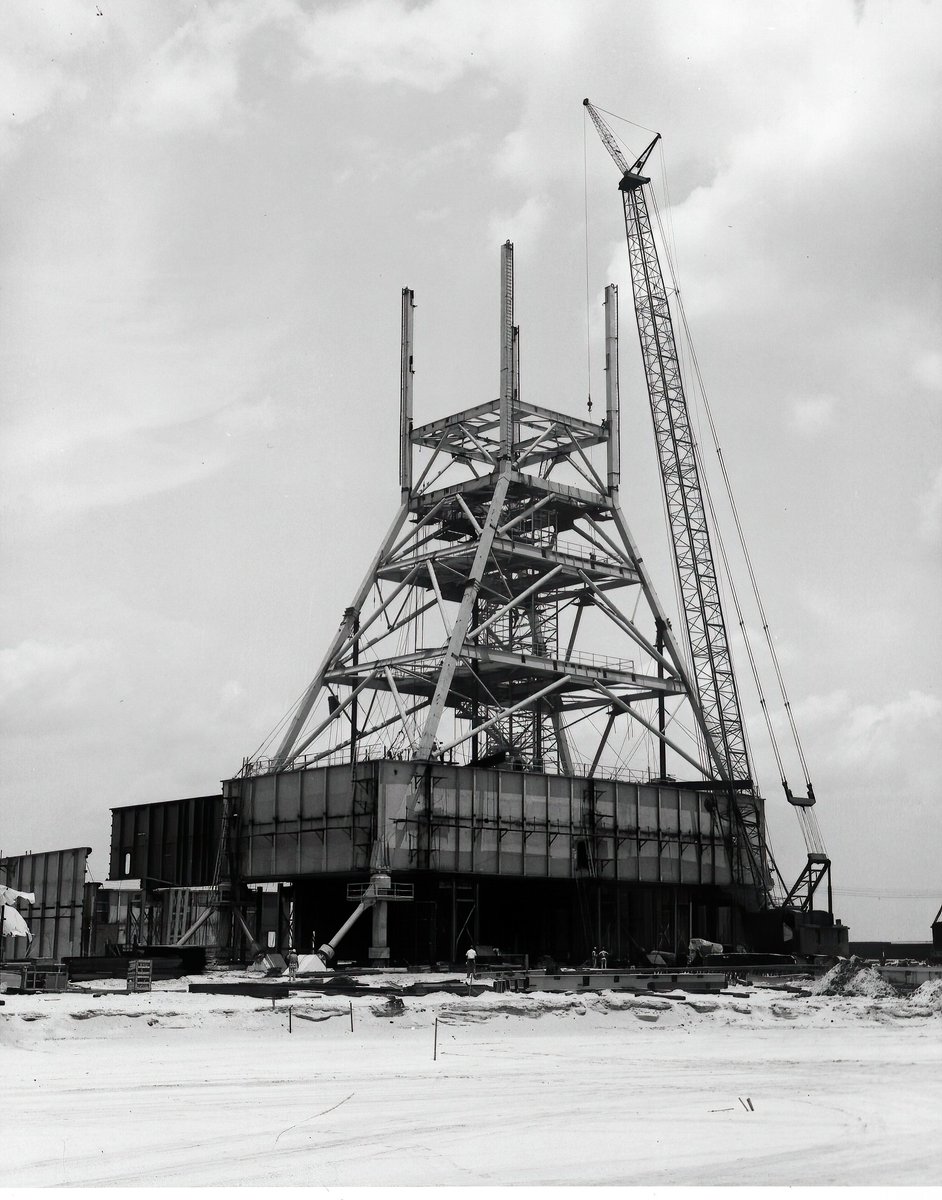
<point>526,225</point>
<point>927,370</point>
<point>194,79</point>
<point>125,463</point>
<point>812,415</point>
<point>49,683</point>
<point>189,93</point>
<point>427,47</point>
<point>866,737</point>
<point>930,512</point>
<point>197,78</point>
<point>39,46</point>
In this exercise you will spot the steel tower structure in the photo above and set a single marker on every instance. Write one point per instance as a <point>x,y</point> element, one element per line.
<point>500,621</point>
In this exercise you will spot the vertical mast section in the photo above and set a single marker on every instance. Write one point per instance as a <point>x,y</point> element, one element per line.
<point>462,624</point>
<point>406,374</point>
<point>696,570</point>
<point>507,372</point>
<point>612,415</point>
<point>693,554</point>
<point>716,692</point>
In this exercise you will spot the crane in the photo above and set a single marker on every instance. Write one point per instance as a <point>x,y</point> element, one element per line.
<point>707,639</point>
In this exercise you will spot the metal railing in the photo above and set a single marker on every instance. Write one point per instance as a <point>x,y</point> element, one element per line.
<point>380,752</point>
<point>389,891</point>
<point>625,774</point>
<point>589,659</point>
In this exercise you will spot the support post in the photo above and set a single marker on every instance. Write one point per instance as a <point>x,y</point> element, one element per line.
<point>405,395</point>
<point>506,349</point>
<point>612,402</point>
<point>661,707</point>
<point>379,946</point>
<point>460,627</point>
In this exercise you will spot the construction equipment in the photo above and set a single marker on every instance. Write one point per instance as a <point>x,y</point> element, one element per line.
<point>471,652</point>
<point>716,692</point>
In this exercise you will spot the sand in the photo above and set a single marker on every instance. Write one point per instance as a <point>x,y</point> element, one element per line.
<point>179,1089</point>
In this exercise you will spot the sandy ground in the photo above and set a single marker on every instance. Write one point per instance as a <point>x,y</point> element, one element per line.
<point>178,1089</point>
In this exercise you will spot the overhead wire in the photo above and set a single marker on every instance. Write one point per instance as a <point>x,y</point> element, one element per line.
<point>585,201</point>
<point>740,532</point>
<point>807,819</point>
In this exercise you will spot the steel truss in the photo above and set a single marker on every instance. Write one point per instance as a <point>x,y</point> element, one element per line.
<point>705,626</point>
<point>475,633</point>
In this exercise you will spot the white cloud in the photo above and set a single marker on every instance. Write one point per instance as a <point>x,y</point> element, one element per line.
<point>39,44</point>
<point>49,684</point>
<point>196,78</point>
<point>930,512</point>
<point>188,93</point>
<point>812,414</point>
<point>429,46</point>
<point>526,225</point>
<point>193,80</point>
<point>128,462</point>
<point>927,370</point>
<point>865,737</point>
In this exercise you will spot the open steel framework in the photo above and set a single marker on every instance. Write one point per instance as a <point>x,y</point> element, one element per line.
<point>490,627</point>
<point>704,622</point>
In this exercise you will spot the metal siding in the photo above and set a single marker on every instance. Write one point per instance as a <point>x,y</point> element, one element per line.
<point>479,821</point>
<point>55,920</point>
<point>170,842</point>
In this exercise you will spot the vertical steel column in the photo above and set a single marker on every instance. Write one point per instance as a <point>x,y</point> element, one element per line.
<point>463,620</point>
<point>612,403</point>
<point>506,349</point>
<point>407,372</point>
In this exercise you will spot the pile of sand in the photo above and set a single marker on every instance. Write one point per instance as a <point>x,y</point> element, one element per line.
<point>869,982</point>
<point>852,977</point>
<point>929,994</point>
<point>837,979</point>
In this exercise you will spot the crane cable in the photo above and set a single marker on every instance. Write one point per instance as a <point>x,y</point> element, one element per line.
<point>806,816</point>
<point>585,204</point>
<point>807,819</point>
<point>735,513</point>
<point>747,557</point>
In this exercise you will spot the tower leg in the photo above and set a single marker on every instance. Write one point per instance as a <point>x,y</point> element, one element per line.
<point>379,950</point>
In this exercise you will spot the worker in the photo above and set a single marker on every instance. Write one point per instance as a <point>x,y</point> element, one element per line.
<point>292,961</point>
<point>470,960</point>
<point>595,956</point>
<point>603,959</point>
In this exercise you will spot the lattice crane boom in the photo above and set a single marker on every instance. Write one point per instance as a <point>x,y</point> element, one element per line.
<point>708,642</point>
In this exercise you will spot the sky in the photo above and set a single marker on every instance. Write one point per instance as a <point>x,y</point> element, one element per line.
<point>210,212</point>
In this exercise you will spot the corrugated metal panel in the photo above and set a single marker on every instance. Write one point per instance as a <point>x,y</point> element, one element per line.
<point>306,822</point>
<point>467,820</point>
<point>57,877</point>
<point>169,844</point>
